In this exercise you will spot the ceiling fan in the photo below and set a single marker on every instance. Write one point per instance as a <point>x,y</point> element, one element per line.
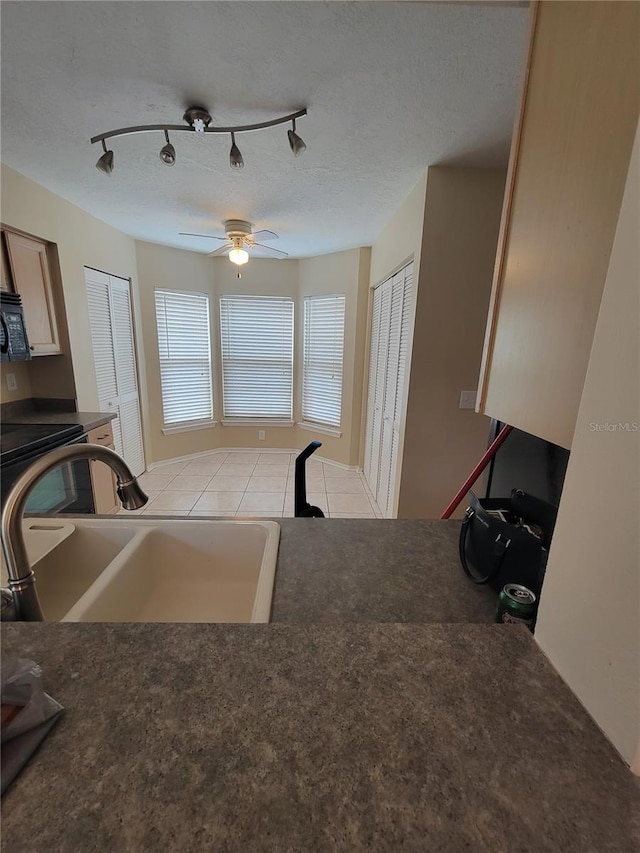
<point>240,242</point>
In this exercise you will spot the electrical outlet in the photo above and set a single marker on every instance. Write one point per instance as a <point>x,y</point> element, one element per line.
<point>261,435</point>
<point>12,384</point>
<point>467,399</point>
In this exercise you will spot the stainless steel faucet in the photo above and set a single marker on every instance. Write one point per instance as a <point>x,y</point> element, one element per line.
<point>22,580</point>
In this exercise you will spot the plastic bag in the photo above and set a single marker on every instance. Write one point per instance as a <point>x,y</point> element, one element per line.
<point>26,728</point>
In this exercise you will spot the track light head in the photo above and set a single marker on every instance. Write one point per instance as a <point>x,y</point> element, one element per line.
<point>168,152</point>
<point>105,163</point>
<point>235,157</point>
<point>296,142</point>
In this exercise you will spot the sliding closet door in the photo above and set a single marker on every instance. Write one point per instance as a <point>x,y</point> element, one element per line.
<point>109,300</point>
<point>390,336</point>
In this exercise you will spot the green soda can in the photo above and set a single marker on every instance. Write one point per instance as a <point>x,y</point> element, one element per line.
<point>516,604</point>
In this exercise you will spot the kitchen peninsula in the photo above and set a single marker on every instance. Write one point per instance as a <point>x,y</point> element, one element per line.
<point>327,731</point>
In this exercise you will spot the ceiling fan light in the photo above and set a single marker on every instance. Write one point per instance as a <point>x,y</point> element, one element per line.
<point>168,152</point>
<point>238,256</point>
<point>105,163</point>
<point>235,157</point>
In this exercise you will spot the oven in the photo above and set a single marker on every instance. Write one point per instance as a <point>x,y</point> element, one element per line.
<point>65,489</point>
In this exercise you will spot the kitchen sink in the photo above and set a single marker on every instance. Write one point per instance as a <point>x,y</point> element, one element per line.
<point>132,569</point>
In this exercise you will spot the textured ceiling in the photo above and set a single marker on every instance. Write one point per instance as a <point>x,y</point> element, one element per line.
<point>390,87</point>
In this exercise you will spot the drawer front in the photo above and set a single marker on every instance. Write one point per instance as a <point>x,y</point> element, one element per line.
<point>101,435</point>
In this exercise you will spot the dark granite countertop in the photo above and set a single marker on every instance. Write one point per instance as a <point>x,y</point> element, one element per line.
<point>87,420</point>
<point>312,738</point>
<point>373,570</point>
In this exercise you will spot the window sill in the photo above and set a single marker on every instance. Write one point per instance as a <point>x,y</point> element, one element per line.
<point>187,427</point>
<point>323,430</point>
<point>259,422</point>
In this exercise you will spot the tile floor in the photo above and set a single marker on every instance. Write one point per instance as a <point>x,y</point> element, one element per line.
<point>259,484</point>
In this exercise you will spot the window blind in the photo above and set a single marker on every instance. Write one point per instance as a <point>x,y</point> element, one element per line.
<point>323,359</point>
<point>184,346</point>
<point>256,335</point>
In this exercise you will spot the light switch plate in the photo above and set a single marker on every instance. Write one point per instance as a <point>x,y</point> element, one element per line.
<point>261,435</point>
<point>467,399</point>
<point>12,384</point>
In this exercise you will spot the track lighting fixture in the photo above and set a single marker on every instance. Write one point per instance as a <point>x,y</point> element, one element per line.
<point>105,163</point>
<point>198,120</point>
<point>296,142</point>
<point>235,157</point>
<point>168,152</point>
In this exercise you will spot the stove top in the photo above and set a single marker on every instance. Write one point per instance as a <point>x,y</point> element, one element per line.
<point>20,441</point>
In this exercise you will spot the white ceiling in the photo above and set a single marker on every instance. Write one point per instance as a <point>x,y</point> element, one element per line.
<point>390,88</point>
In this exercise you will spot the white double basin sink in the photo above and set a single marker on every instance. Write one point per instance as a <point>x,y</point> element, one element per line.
<point>132,569</point>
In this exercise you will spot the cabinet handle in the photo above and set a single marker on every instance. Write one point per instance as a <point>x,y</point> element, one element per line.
<point>31,347</point>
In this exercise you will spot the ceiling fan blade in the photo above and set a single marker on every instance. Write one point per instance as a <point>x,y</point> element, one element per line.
<point>223,250</point>
<point>207,236</point>
<point>261,251</point>
<point>263,235</point>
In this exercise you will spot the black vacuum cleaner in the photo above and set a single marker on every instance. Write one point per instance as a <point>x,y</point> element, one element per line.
<point>303,509</point>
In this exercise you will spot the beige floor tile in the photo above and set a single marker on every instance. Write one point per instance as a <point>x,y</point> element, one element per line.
<point>342,486</point>
<point>352,515</point>
<point>188,483</point>
<point>233,469</point>
<point>240,458</point>
<point>274,459</point>
<point>171,468</point>
<point>313,481</point>
<point>207,465</point>
<point>167,512</point>
<point>175,500</point>
<point>281,469</point>
<point>312,465</point>
<point>288,504</point>
<point>318,499</point>
<point>224,501</point>
<point>155,482</point>
<point>267,484</point>
<point>262,502</point>
<point>334,471</point>
<point>211,513</point>
<point>250,515</point>
<point>349,503</point>
<point>227,484</point>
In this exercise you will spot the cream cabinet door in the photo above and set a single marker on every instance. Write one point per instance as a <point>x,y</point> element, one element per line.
<point>32,280</point>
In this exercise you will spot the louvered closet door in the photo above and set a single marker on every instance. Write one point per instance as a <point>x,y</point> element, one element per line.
<point>390,387</point>
<point>369,462</point>
<point>388,359</point>
<point>109,302</point>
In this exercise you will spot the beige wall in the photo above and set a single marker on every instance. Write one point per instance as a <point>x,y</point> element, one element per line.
<point>589,618</point>
<point>442,441</point>
<point>20,370</point>
<point>162,267</point>
<point>81,240</point>
<point>340,273</point>
<point>401,238</point>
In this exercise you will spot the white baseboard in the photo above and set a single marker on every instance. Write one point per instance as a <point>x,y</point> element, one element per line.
<point>153,465</point>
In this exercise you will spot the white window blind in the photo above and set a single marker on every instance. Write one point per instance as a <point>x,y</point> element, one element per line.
<point>256,334</point>
<point>323,359</point>
<point>184,346</point>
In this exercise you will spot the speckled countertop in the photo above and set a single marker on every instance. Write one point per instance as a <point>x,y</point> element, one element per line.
<point>312,738</point>
<point>372,570</point>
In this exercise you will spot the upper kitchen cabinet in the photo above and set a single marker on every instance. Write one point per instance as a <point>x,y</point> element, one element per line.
<point>569,159</point>
<point>31,277</point>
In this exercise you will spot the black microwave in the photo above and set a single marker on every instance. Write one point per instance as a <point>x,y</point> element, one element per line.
<point>14,343</point>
